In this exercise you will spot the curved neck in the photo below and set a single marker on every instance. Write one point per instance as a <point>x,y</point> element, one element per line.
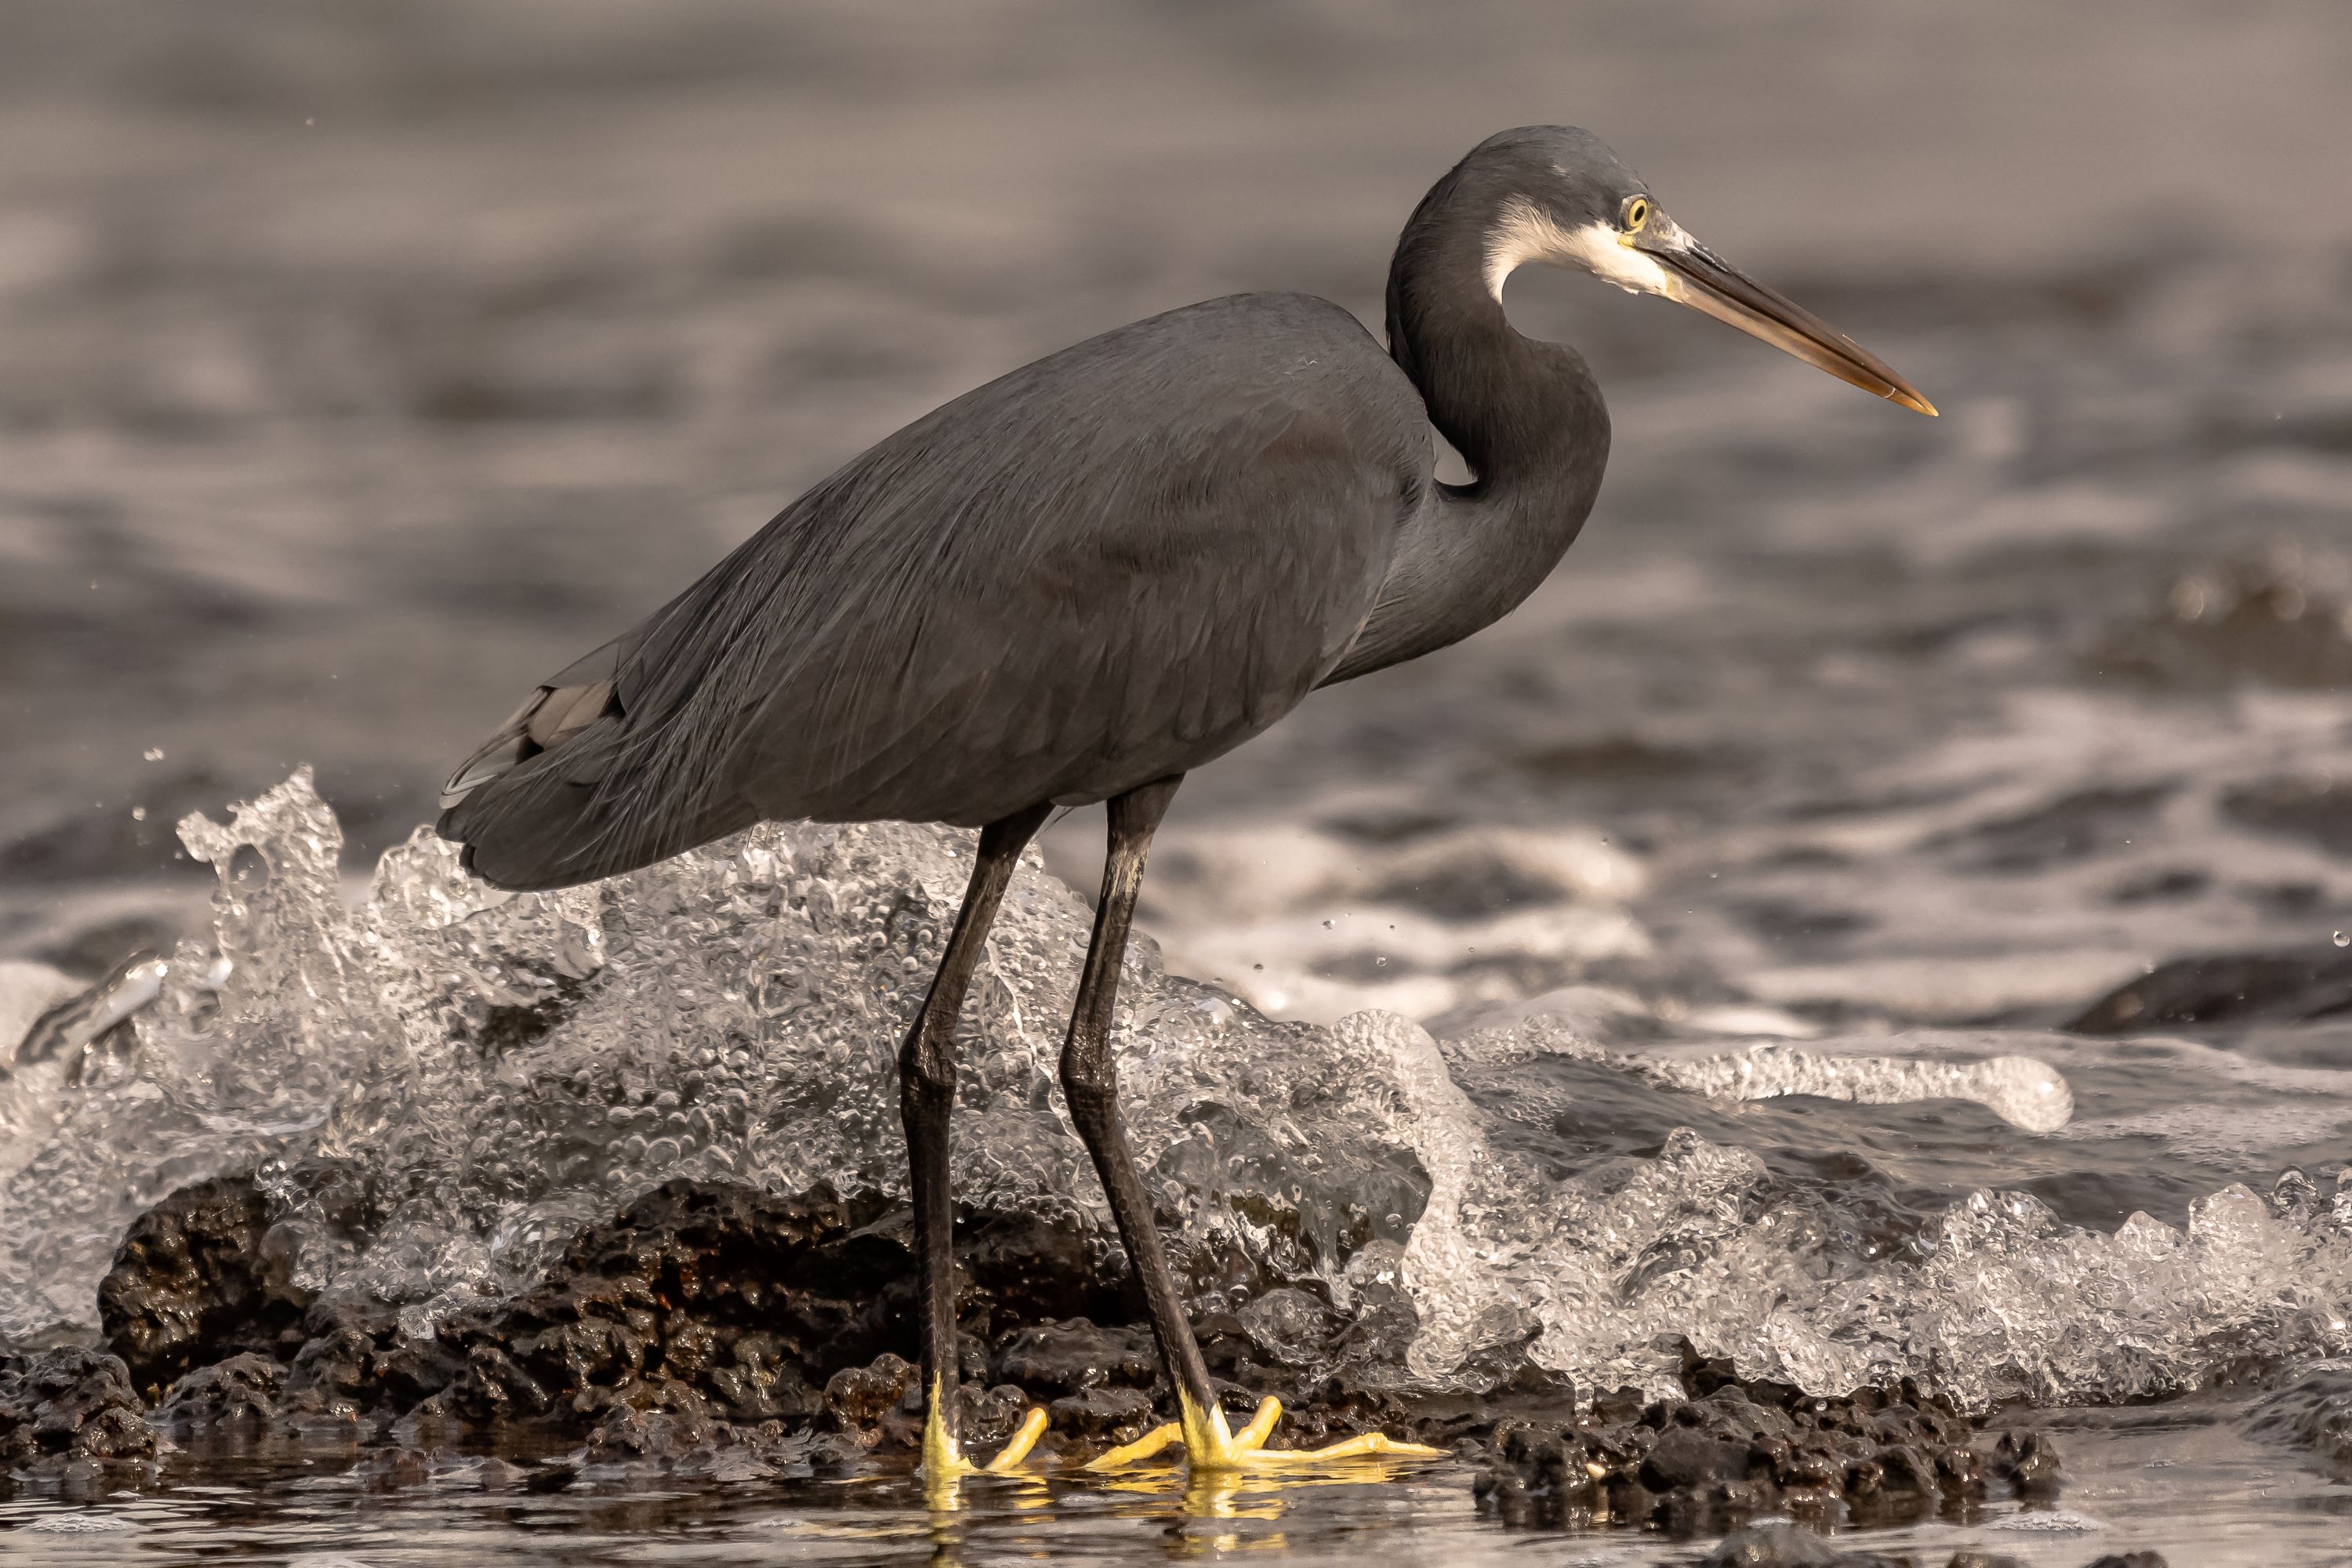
<point>1526,415</point>
<point>1523,414</point>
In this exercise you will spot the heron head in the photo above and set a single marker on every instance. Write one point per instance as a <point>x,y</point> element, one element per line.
<point>1556,195</point>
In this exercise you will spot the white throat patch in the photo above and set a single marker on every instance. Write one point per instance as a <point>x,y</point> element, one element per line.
<point>1524,233</point>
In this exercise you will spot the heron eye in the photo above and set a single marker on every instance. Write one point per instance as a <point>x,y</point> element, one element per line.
<point>1637,213</point>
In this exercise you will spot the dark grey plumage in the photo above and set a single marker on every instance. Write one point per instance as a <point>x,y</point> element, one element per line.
<point>1117,562</point>
<point>1114,563</point>
<point>1091,576</point>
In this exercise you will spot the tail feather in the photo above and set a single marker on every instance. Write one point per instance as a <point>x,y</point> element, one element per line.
<point>560,792</point>
<point>560,817</point>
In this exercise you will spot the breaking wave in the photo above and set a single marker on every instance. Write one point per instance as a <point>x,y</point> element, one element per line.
<point>500,1069</point>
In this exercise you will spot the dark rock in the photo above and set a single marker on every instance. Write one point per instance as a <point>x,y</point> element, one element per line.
<point>244,1388</point>
<point>1737,1451</point>
<point>190,1285</point>
<point>70,1403</point>
<point>859,1399</point>
<point>986,1418</point>
<point>1984,1560</point>
<point>1104,1416</point>
<point>1686,1458</point>
<point>2131,1560</point>
<point>625,1432</point>
<point>2028,1462</point>
<point>2285,987</point>
<point>700,1316</point>
<point>1052,1359</point>
<point>1024,1268</point>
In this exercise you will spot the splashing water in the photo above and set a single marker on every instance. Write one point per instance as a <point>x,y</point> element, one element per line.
<point>500,1069</point>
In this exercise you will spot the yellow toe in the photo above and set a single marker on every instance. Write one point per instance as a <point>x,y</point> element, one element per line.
<point>1150,1446</point>
<point>944,1462</point>
<point>1211,1448</point>
<point>1208,1446</point>
<point>1033,1427</point>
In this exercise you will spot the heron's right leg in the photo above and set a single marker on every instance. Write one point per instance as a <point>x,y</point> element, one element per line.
<point>927,1074</point>
<point>1090,1085</point>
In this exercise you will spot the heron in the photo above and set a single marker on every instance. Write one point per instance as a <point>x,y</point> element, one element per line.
<point>1083,580</point>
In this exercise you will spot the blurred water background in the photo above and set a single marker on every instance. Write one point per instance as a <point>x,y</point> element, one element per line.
<point>360,366</point>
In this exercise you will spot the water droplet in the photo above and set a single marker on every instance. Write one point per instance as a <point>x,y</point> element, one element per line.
<point>153,754</point>
<point>2343,940</point>
<point>138,813</point>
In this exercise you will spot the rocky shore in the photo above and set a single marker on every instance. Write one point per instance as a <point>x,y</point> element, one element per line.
<point>713,1333</point>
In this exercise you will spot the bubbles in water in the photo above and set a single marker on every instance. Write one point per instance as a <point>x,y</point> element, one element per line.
<point>2342,940</point>
<point>503,1068</point>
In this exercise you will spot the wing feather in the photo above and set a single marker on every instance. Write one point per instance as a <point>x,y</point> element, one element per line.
<point>1110,565</point>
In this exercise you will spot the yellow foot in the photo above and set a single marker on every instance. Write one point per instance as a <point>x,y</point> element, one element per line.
<point>1208,1444</point>
<point>944,1464</point>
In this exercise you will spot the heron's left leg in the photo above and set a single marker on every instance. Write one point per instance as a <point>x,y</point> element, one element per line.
<point>1090,1083</point>
<point>926,1075</point>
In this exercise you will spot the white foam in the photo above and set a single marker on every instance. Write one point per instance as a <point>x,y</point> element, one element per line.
<point>510,1067</point>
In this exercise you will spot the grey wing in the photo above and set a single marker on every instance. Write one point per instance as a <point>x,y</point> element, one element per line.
<point>1068,655</point>
<point>1112,565</point>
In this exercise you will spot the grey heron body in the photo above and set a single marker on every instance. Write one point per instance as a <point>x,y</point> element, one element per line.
<point>1086,578</point>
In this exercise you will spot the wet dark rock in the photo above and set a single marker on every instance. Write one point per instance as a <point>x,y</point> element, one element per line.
<point>186,1289</point>
<point>986,1418</point>
<point>858,1400</point>
<point>2317,810</point>
<point>705,1306</point>
<point>244,1388</point>
<point>393,1468</point>
<point>1731,1452</point>
<point>1071,1356</point>
<point>678,1332</point>
<point>1686,1458</point>
<point>1104,1416</point>
<point>628,1432</point>
<point>703,1303</point>
<point>70,1403</point>
<point>1984,1560</point>
<point>2028,1462</point>
<point>2314,1414</point>
<point>2295,986</point>
<point>2131,1560</point>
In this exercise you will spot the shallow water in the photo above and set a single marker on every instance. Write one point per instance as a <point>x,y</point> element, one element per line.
<point>1873,737</point>
<point>2173,1480</point>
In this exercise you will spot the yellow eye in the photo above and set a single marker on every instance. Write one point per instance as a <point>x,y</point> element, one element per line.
<point>1637,213</point>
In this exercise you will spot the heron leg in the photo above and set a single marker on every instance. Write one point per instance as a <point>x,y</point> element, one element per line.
<point>1090,1083</point>
<point>927,1074</point>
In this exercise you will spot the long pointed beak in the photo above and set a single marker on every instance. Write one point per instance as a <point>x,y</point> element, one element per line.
<point>1696,277</point>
